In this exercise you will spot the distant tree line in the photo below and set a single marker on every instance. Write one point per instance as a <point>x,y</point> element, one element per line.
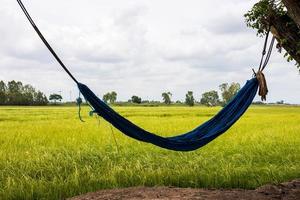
<point>15,93</point>
<point>210,98</point>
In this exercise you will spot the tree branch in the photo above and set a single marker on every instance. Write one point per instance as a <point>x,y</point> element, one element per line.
<point>287,34</point>
<point>293,7</point>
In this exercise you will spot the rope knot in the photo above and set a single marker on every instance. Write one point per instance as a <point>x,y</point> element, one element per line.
<point>262,84</point>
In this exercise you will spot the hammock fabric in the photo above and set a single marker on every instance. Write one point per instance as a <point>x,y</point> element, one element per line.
<point>192,140</point>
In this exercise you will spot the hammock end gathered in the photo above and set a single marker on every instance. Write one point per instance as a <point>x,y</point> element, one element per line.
<point>262,84</point>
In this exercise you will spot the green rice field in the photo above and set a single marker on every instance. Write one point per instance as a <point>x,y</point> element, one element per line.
<point>47,153</point>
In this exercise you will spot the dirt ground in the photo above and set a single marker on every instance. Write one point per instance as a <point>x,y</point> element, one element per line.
<point>285,191</point>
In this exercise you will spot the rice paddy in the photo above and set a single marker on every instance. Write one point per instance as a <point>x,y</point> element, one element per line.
<point>47,153</point>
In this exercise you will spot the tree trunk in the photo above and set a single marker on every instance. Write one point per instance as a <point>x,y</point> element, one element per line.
<point>293,7</point>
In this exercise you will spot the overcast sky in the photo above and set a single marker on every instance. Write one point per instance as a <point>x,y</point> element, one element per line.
<point>138,47</point>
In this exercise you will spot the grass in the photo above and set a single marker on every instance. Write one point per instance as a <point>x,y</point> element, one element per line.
<point>47,153</point>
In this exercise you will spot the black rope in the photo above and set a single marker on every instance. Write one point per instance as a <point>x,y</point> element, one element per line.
<point>45,41</point>
<point>264,49</point>
<point>269,54</point>
<point>264,61</point>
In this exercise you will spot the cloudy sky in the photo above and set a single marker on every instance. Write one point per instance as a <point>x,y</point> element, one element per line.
<point>138,47</point>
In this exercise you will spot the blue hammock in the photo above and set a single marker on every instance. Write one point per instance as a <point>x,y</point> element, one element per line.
<point>192,140</point>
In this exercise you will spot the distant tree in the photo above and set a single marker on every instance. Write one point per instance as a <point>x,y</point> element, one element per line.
<point>280,102</point>
<point>178,102</point>
<point>40,99</point>
<point>106,97</point>
<point>210,98</point>
<point>110,97</point>
<point>229,91</point>
<point>32,97</point>
<point>55,97</point>
<point>14,93</point>
<point>167,97</point>
<point>136,99</point>
<point>113,97</point>
<point>28,95</point>
<point>3,90</point>
<point>189,99</point>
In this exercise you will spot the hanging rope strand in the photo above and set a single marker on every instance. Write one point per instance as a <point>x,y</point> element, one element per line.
<point>264,61</point>
<point>269,53</point>
<point>263,88</point>
<point>45,41</point>
<point>264,49</point>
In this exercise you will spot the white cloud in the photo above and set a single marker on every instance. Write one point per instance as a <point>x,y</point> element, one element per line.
<point>138,47</point>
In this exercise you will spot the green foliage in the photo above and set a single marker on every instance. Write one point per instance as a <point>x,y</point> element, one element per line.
<point>280,102</point>
<point>113,97</point>
<point>259,17</point>
<point>46,153</point>
<point>136,99</point>
<point>40,98</point>
<point>3,90</point>
<point>229,91</point>
<point>110,97</point>
<point>55,97</point>
<point>15,93</point>
<point>189,99</point>
<point>106,97</point>
<point>210,98</point>
<point>167,97</point>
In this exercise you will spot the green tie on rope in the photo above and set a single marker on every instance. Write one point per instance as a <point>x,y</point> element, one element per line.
<point>79,102</point>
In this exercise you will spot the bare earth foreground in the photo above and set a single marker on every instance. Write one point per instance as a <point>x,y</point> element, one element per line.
<point>285,191</point>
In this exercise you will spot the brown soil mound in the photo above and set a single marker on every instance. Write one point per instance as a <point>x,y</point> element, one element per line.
<point>284,191</point>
